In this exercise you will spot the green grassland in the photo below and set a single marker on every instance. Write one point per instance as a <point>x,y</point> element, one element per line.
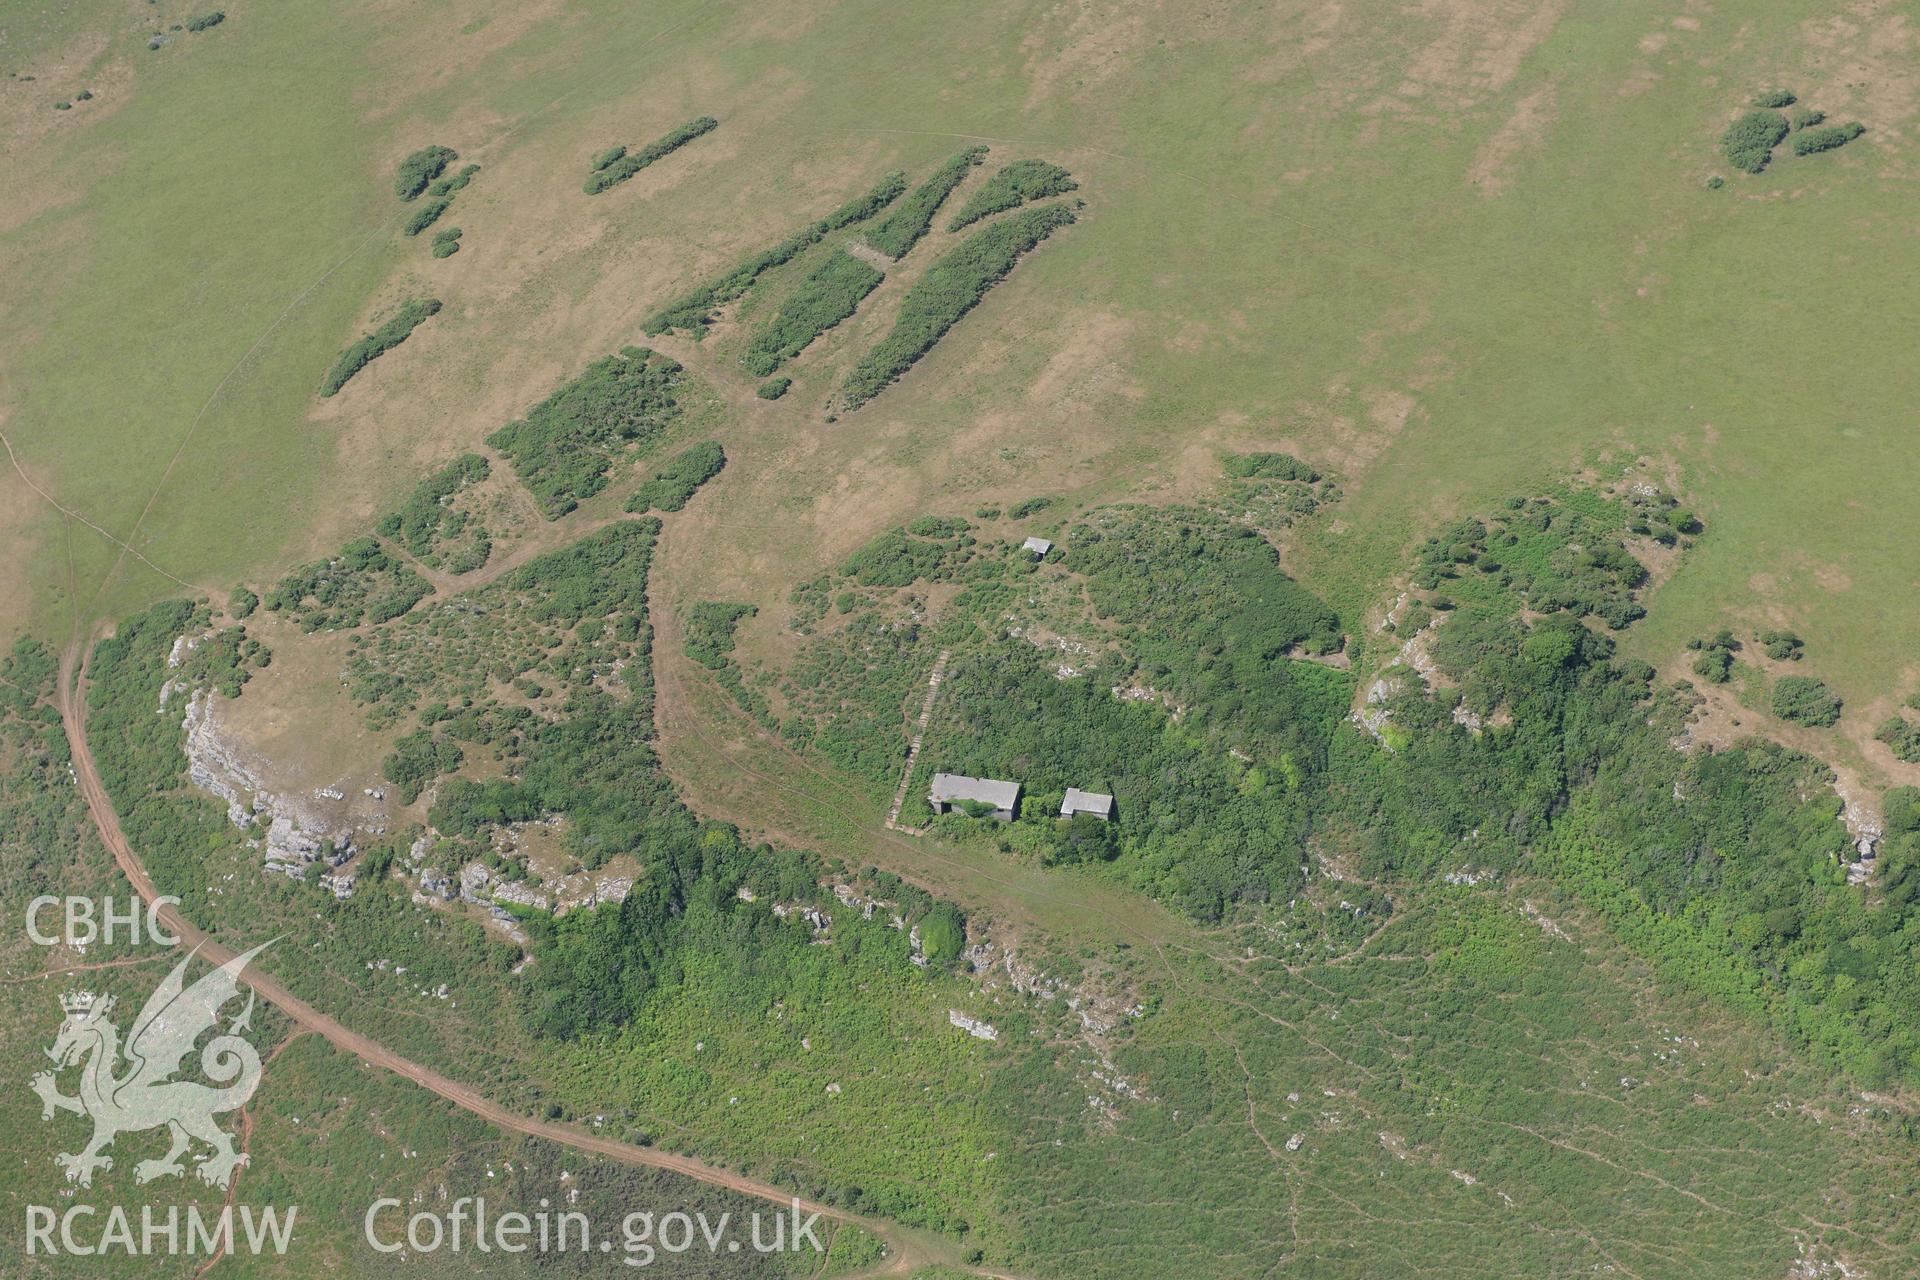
<point>1290,268</point>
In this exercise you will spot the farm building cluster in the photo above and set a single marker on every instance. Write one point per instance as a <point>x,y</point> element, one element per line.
<point>1000,800</point>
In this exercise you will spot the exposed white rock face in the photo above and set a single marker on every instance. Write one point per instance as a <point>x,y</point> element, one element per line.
<point>1413,655</point>
<point>213,766</point>
<point>849,897</point>
<point>474,878</point>
<point>182,646</point>
<point>972,1026</point>
<point>295,835</point>
<point>521,895</point>
<point>1864,826</point>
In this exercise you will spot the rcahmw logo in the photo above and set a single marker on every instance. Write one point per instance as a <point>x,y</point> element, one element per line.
<point>128,1086</point>
<point>86,1231</point>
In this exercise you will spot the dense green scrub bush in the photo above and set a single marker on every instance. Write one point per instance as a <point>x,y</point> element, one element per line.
<point>773,388</point>
<point>1903,736</point>
<point>1267,466</point>
<point>1804,700</point>
<point>1783,646</point>
<point>606,158</point>
<point>1273,490</point>
<point>943,935</point>
<point>1715,663</point>
<point>426,215</point>
<point>902,228</point>
<point>418,758</point>
<point>242,603</point>
<point>849,691</point>
<point>937,526</point>
<point>1749,141</point>
<point>1730,868</point>
<point>206,21</point>
<point>531,630</point>
<point>222,660</point>
<point>695,311</point>
<point>829,294</point>
<point>33,748</point>
<point>952,286</point>
<point>1027,507</point>
<point>420,168</point>
<point>611,168</point>
<point>1775,98</point>
<point>1811,141</point>
<point>428,518</point>
<point>1562,553</point>
<point>378,343</point>
<point>903,556</point>
<point>363,584</point>
<point>1178,572</point>
<point>707,636</point>
<point>1021,182</point>
<point>1203,619</point>
<point>1805,117</point>
<point>453,182</point>
<point>139,753</point>
<point>561,450</point>
<point>446,243</point>
<point>675,484</point>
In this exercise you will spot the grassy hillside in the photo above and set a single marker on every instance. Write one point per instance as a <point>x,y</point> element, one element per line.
<point>1457,249</point>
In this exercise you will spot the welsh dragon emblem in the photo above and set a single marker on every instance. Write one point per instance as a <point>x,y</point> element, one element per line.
<point>129,1088</point>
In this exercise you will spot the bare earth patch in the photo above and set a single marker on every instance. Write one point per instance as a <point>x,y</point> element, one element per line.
<point>1096,43</point>
<point>1479,47</point>
<point>1867,68</point>
<point>1532,116</point>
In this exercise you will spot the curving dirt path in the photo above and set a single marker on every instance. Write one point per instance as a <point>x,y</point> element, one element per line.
<point>905,1254</point>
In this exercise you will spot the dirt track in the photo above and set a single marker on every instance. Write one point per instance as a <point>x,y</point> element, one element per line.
<point>903,1257</point>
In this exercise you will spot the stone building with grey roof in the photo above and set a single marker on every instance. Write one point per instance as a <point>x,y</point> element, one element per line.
<point>951,791</point>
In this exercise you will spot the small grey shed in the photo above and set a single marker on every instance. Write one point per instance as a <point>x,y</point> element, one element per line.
<point>1088,802</point>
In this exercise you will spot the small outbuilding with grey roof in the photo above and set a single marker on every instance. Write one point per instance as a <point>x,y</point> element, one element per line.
<point>951,791</point>
<point>1088,802</point>
<point>1037,547</point>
